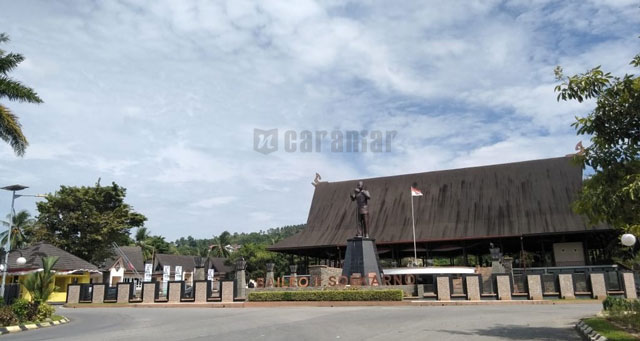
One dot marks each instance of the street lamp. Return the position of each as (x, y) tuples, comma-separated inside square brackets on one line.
[(13, 189)]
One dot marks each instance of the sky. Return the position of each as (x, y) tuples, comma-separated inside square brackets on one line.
[(163, 97)]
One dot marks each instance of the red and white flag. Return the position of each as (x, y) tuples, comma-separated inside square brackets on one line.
[(415, 192)]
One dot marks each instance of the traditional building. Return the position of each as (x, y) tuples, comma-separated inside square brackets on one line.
[(68, 270), (126, 266), (524, 208)]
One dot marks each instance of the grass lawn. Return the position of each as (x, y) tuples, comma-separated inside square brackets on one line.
[(606, 329), (55, 317)]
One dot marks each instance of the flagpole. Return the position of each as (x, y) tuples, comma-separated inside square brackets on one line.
[(413, 220)]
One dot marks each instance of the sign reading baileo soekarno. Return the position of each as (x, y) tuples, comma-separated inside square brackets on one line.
[(355, 280)]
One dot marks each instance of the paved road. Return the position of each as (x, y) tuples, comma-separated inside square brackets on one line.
[(517, 322)]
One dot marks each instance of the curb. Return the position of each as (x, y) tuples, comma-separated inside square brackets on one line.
[(31, 326), (588, 333)]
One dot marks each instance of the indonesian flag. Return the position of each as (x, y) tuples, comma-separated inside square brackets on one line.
[(415, 192)]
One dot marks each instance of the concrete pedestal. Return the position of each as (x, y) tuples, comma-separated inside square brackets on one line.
[(124, 292), (148, 292), (444, 290), (566, 286), (226, 291), (98, 293), (598, 287), (535, 287), (175, 292), (629, 285), (473, 288), (362, 258), (73, 294), (241, 285), (504, 287)]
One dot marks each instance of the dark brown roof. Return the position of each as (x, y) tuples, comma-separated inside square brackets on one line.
[(134, 253), (187, 262), (523, 198), (219, 265), (34, 254)]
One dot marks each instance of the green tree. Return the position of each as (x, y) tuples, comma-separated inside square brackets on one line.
[(612, 194), (12, 90), (160, 245), (22, 222), (40, 284), (142, 240), (85, 221), (218, 248)]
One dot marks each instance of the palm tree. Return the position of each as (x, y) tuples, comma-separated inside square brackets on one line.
[(40, 284), (142, 240), (218, 248), (12, 90), (21, 222)]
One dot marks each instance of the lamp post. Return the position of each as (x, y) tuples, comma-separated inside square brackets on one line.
[(628, 239), (13, 189)]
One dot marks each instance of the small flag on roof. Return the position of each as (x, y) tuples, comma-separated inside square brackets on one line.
[(415, 192)]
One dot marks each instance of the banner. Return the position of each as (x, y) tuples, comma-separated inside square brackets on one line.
[(148, 268), (166, 270), (178, 274), (210, 274)]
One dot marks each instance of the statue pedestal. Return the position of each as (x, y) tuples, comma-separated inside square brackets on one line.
[(362, 257)]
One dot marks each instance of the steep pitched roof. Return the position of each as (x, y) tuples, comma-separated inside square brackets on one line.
[(187, 262), (134, 253), (35, 252), (219, 265), (522, 198)]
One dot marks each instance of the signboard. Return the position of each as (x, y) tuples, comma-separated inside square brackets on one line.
[(210, 274), (166, 270), (148, 268), (178, 274)]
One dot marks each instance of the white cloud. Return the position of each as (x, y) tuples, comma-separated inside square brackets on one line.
[(162, 96)]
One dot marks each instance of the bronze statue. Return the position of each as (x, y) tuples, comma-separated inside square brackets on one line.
[(361, 196)]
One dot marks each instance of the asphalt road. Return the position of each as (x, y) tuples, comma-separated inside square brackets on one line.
[(517, 322)]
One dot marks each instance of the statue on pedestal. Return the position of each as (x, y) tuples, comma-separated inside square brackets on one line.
[(361, 196)]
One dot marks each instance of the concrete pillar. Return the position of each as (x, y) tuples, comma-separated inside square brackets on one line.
[(175, 292), (473, 288), (566, 286), (124, 292), (444, 291), (73, 294), (199, 274), (535, 287), (504, 287), (241, 291), (98, 293), (226, 291), (293, 279), (200, 293), (629, 285), (268, 282), (598, 287), (149, 292)]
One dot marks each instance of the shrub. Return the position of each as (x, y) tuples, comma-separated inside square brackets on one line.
[(617, 304), (328, 295), (24, 310), (44, 312), (7, 317)]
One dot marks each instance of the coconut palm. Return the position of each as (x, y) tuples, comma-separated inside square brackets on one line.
[(40, 284), (12, 90), (21, 221), (142, 240), (218, 248)]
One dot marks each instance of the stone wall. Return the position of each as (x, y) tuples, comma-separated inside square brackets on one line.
[(323, 272)]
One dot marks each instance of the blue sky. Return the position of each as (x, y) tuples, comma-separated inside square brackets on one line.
[(162, 96)]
